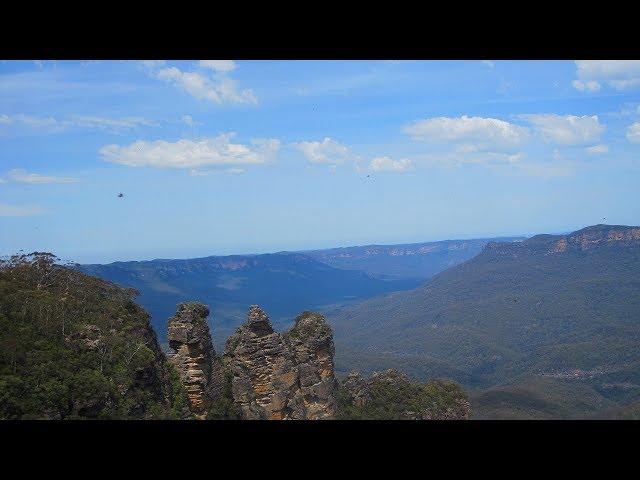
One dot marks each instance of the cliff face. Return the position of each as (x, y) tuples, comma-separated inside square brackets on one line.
[(587, 239), (266, 375), (194, 357), (282, 376), (311, 341)]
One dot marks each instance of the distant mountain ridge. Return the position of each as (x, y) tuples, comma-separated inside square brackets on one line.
[(284, 282), (409, 260), (555, 306)]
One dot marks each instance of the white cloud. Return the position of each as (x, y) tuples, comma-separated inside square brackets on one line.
[(221, 66), (597, 149), (18, 211), (327, 151), (618, 74), (22, 176), (473, 134), (191, 154), (218, 89), (110, 123), (29, 121), (588, 86), (188, 119), (153, 63), (633, 132), (567, 129), (387, 164), (55, 125), (557, 155)]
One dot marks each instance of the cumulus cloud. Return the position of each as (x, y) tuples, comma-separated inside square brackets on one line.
[(327, 151), (22, 176), (597, 149), (387, 164), (617, 74), (18, 211), (633, 132), (217, 88), (472, 134), (191, 154), (222, 66), (567, 129)]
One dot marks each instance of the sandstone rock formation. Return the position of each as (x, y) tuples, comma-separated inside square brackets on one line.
[(282, 376), (199, 368), (266, 375)]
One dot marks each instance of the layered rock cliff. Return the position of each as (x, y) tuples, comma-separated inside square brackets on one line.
[(194, 357), (584, 240), (282, 376)]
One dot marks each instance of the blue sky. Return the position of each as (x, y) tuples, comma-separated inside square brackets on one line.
[(221, 157)]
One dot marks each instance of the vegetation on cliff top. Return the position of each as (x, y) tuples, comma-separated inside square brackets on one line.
[(74, 346), (390, 395)]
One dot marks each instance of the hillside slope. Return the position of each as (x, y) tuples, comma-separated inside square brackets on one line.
[(561, 306), (76, 347)]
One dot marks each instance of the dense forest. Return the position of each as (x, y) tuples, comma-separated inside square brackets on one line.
[(73, 346)]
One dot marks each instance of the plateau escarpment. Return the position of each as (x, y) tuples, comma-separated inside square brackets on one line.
[(559, 307)]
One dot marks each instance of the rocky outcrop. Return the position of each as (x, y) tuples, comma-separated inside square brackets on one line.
[(391, 395), (282, 376), (266, 375), (311, 342), (193, 356)]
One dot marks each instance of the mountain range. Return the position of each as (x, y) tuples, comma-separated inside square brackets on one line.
[(544, 327), (554, 312), (285, 283)]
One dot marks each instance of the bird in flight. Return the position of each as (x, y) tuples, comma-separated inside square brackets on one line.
[(120, 195)]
